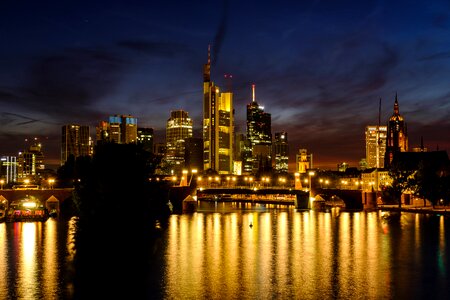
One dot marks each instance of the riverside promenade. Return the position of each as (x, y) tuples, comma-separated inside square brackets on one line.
[(437, 210)]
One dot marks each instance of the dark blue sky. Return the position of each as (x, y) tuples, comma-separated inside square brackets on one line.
[(319, 67)]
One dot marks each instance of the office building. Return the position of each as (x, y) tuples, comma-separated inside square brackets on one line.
[(193, 154), (259, 135), (179, 128), (281, 152), (218, 125), (8, 169), (121, 129), (375, 146), (30, 163), (75, 141)]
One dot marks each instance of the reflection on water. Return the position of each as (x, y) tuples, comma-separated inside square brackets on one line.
[(299, 255), (240, 251)]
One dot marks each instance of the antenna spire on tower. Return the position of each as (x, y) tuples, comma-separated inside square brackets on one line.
[(253, 92)]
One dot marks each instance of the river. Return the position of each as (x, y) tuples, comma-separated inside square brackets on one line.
[(244, 251)]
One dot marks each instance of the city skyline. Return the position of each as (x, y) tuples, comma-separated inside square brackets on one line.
[(320, 68)]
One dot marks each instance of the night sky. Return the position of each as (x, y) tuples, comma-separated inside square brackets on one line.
[(320, 67)]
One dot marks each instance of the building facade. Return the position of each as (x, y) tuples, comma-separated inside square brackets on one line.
[(8, 169), (375, 146), (30, 163), (281, 152), (178, 129), (218, 125), (121, 129), (259, 134), (303, 161), (75, 141), (397, 136)]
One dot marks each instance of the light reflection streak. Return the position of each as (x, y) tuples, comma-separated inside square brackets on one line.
[(50, 256), (27, 282), (442, 254), (3, 261)]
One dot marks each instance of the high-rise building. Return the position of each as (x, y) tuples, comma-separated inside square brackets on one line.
[(121, 129), (145, 138), (397, 136), (8, 168), (179, 128), (31, 162), (259, 133), (303, 161), (281, 152), (218, 125), (375, 146), (75, 141)]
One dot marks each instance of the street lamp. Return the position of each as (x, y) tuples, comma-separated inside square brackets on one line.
[(2, 182), (51, 181)]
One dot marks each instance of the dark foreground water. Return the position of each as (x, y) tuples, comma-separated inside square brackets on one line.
[(231, 251)]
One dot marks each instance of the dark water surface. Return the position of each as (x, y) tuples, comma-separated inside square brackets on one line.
[(231, 251)]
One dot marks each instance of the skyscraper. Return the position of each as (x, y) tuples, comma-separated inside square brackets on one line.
[(397, 137), (259, 134), (281, 152), (31, 162), (375, 146), (218, 125), (179, 128), (8, 168), (121, 129), (75, 141)]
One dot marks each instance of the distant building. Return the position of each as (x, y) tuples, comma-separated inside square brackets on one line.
[(259, 134), (145, 138), (75, 141), (281, 152), (8, 168), (397, 136), (218, 125), (303, 161), (121, 129), (179, 128), (31, 162), (374, 179), (375, 146), (342, 167)]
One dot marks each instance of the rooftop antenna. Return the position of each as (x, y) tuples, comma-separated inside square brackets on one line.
[(253, 92), (379, 141)]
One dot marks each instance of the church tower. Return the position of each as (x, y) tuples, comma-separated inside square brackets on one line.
[(397, 137)]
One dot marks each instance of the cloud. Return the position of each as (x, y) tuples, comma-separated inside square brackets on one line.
[(436, 56)]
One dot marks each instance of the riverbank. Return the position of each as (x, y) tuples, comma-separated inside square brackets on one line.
[(438, 210)]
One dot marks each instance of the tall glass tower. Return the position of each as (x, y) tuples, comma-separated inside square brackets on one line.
[(218, 125), (178, 129), (260, 136)]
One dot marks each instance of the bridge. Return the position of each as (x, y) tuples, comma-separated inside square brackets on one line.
[(52, 198)]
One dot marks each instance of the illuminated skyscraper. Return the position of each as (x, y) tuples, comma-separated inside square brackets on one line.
[(375, 146), (8, 168), (218, 125), (75, 141), (121, 129), (259, 134), (31, 162), (281, 152), (179, 128), (397, 137)]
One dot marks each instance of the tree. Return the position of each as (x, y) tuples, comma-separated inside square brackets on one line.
[(400, 176), (430, 182)]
